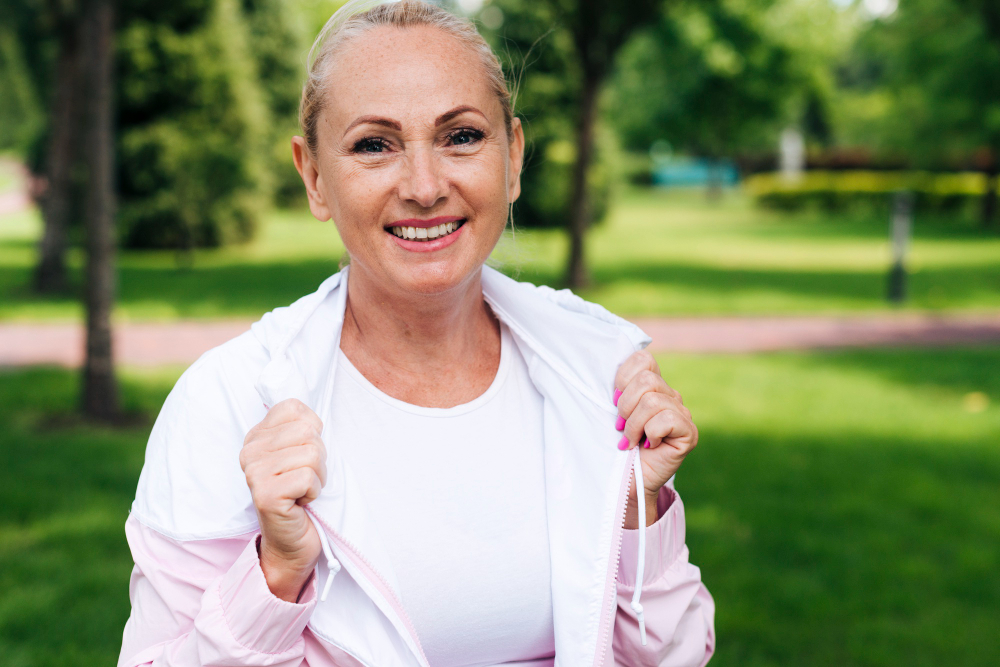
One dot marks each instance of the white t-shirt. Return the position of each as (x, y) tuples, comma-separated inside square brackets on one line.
[(438, 482)]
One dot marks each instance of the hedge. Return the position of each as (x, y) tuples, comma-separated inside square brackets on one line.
[(841, 190)]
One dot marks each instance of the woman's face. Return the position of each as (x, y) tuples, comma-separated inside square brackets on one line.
[(413, 162)]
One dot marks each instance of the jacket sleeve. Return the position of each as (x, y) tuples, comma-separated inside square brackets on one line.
[(205, 603), (678, 609)]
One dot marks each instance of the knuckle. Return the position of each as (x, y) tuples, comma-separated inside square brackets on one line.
[(650, 380)]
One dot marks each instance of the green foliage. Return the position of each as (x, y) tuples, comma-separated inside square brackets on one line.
[(923, 82), (538, 56), (713, 78), (279, 37), (192, 129), (838, 191), (21, 114)]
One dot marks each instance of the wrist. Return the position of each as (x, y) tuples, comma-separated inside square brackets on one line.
[(632, 510), (285, 577)]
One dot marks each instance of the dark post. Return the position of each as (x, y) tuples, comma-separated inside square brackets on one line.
[(900, 229)]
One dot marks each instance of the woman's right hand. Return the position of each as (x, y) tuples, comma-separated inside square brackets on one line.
[(284, 460)]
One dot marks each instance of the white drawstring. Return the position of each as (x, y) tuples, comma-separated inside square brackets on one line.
[(640, 568), (331, 562)]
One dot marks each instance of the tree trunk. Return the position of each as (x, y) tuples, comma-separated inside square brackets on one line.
[(100, 387), (579, 218), (50, 274)]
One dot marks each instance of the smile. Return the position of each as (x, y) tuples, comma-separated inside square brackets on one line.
[(426, 233)]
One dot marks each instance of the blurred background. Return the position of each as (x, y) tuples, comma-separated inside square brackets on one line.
[(796, 198)]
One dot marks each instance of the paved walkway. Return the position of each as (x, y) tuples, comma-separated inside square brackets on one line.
[(182, 342)]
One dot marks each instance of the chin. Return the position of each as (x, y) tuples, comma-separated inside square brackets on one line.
[(436, 277)]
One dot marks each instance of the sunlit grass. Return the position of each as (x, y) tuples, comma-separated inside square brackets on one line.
[(658, 253)]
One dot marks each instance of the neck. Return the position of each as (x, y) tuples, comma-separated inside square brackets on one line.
[(406, 339)]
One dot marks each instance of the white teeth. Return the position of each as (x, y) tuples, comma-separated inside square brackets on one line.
[(425, 232)]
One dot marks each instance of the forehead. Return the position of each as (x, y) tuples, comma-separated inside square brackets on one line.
[(409, 74)]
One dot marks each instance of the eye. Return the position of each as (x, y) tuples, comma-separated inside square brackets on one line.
[(371, 145), (465, 136)]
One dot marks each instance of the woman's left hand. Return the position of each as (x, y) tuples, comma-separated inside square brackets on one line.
[(652, 415)]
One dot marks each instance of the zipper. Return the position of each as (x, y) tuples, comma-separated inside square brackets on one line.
[(610, 585), (377, 579)]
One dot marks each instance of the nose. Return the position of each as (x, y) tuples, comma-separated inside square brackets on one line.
[(423, 182)]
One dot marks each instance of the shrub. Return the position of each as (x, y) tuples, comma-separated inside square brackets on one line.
[(193, 127), (868, 190)]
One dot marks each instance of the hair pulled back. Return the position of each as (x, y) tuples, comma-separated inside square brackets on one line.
[(359, 16)]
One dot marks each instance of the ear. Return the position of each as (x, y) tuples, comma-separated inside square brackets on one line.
[(515, 160), (309, 171)]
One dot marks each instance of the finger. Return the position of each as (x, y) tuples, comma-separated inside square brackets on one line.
[(643, 382), (301, 485), (649, 404), (310, 456), (641, 360), (672, 428), (291, 410), (289, 434)]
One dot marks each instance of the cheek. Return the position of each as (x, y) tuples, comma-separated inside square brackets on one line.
[(358, 195), (483, 184)]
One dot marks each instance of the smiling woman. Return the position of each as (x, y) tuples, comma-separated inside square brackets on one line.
[(423, 462)]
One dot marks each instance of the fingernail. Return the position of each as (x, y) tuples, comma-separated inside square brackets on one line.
[(618, 394), (623, 443), (647, 445), (620, 423)]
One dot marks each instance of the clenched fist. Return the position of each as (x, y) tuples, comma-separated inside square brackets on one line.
[(652, 415), (284, 460)]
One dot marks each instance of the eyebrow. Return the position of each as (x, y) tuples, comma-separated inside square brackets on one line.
[(374, 120), (457, 111), (396, 125)]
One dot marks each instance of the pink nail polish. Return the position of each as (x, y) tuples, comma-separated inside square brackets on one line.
[(623, 443), (618, 394), (620, 423), (647, 445)]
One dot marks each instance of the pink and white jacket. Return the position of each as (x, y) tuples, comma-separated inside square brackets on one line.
[(198, 594)]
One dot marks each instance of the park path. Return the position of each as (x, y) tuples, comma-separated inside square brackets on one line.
[(155, 344)]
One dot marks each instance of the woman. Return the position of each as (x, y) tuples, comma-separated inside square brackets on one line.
[(416, 464)]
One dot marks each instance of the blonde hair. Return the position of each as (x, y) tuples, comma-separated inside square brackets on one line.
[(359, 16)]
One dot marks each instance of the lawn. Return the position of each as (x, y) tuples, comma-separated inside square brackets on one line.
[(657, 254), (842, 507)]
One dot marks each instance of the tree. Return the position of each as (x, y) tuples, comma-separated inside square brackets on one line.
[(716, 78), (936, 63), (599, 30), (100, 387), (569, 48)]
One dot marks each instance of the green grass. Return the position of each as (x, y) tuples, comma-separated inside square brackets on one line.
[(658, 254), (842, 507)]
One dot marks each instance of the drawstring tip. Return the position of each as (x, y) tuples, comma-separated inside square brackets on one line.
[(334, 569), (637, 608)]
